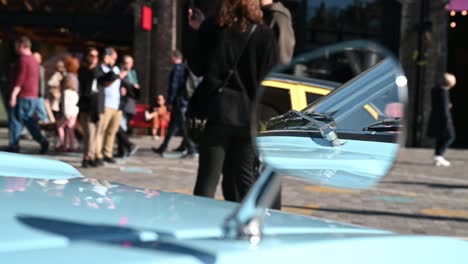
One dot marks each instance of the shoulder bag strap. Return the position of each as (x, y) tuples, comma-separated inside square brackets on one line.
[(233, 69)]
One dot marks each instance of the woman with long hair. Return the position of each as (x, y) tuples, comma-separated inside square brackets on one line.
[(89, 114), (69, 105), (237, 51)]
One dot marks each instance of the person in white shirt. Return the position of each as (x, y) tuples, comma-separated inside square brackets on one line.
[(69, 103), (109, 120)]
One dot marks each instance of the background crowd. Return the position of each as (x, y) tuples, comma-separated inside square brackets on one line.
[(97, 97)]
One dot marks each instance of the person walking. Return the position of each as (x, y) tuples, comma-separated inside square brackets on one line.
[(42, 111), (54, 92), (110, 82), (69, 105), (238, 51), (278, 17), (178, 103), (441, 124), (24, 101), (88, 105), (129, 94)]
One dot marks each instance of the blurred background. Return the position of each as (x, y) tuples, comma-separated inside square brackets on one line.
[(426, 36)]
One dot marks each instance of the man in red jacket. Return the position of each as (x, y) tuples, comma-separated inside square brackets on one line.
[(24, 100)]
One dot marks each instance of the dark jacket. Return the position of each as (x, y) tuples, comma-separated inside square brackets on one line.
[(86, 78), (99, 104), (93, 102), (218, 47), (440, 123), (177, 85), (128, 102), (278, 17), (90, 102)]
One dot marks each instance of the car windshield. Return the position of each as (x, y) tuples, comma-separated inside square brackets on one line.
[(369, 97), (334, 66)]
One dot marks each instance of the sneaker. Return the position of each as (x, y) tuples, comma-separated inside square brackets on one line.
[(61, 148), (440, 161), (109, 160), (133, 150), (159, 151), (155, 137), (189, 156), (98, 163), (181, 148), (93, 163), (11, 149), (85, 164), (44, 148)]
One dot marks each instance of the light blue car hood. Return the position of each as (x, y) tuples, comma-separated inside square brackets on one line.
[(78, 220)]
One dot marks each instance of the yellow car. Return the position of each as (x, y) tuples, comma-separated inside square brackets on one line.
[(284, 92)]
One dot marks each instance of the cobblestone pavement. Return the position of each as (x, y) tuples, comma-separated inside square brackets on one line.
[(415, 197)]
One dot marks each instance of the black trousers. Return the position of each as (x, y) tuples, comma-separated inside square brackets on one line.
[(123, 141), (443, 141), (227, 150), (178, 122)]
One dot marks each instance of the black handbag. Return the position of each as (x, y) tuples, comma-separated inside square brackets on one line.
[(201, 102), (130, 106)]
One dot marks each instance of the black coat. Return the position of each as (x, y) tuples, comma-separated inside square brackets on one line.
[(90, 102), (440, 123), (94, 102), (217, 48), (128, 102), (85, 78)]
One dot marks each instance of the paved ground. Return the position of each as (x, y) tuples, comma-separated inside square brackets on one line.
[(414, 198)]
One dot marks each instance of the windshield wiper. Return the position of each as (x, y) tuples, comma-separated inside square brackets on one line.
[(386, 125), (327, 128)]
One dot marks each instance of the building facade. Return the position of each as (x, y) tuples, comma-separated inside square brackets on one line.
[(418, 32)]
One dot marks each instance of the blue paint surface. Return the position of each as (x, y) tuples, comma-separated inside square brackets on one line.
[(64, 222), (18, 165), (355, 165)]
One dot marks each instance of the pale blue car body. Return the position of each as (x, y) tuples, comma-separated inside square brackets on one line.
[(356, 165), (50, 213), (45, 222)]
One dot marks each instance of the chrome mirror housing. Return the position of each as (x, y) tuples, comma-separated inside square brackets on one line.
[(333, 117), (347, 138)]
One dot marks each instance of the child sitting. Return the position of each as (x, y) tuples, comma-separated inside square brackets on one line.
[(159, 117)]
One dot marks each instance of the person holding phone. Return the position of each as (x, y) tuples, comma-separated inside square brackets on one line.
[(110, 82), (130, 92), (236, 52)]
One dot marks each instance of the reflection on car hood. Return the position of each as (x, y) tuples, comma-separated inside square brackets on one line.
[(57, 220), (41, 213), (83, 221), (17, 165), (359, 164)]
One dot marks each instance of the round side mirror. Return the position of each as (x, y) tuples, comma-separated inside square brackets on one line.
[(333, 116)]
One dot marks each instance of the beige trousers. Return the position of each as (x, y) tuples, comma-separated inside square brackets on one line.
[(108, 127)]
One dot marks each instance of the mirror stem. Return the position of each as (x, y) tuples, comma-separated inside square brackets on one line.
[(247, 220)]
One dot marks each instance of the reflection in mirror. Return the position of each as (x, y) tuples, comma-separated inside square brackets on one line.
[(333, 116)]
